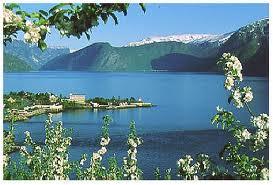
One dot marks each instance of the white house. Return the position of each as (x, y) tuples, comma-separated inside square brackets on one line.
[(79, 98)]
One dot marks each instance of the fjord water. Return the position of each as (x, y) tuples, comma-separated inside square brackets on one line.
[(179, 124)]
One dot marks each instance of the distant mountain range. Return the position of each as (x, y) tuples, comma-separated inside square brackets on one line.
[(32, 55), (187, 52)]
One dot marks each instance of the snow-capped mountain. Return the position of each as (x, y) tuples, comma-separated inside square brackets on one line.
[(184, 38)]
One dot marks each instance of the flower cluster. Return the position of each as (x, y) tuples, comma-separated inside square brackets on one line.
[(241, 96), (32, 35), (259, 138), (95, 171), (233, 71), (9, 18), (50, 161), (265, 174), (97, 156), (232, 68), (261, 121), (8, 145), (6, 159), (242, 134), (187, 170), (130, 162), (245, 166), (194, 171)]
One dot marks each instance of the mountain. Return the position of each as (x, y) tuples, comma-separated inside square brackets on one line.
[(14, 64), (104, 57), (191, 52), (251, 45), (32, 55)]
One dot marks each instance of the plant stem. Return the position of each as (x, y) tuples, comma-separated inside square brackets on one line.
[(249, 110)]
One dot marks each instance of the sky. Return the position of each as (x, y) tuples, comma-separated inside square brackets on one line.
[(162, 20)]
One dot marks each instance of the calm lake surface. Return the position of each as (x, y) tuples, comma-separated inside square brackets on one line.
[(179, 124)]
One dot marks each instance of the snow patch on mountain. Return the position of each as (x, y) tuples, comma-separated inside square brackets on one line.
[(184, 38)]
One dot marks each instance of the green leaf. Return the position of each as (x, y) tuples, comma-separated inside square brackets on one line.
[(35, 15), (87, 35), (104, 17), (12, 6), (142, 7), (43, 12), (42, 22), (114, 17), (42, 45), (215, 118), (20, 12)]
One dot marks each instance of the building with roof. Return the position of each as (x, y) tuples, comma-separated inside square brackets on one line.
[(79, 98)]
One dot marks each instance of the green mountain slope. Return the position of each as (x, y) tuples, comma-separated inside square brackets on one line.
[(104, 57), (14, 64), (251, 45)]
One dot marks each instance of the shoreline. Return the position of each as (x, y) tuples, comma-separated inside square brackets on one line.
[(41, 111), (144, 71)]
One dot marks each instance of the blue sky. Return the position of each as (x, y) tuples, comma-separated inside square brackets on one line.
[(163, 19)]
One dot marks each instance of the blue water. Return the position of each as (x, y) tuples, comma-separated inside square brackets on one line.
[(185, 102)]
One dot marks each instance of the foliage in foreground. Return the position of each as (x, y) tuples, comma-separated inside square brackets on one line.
[(237, 154), (68, 18), (51, 160)]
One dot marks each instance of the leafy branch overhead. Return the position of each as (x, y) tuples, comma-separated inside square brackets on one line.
[(68, 18)]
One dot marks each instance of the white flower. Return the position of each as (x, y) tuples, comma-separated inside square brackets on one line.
[(237, 95), (133, 156), (60, 149), (102, 151), (265, 174), (82, 161), (237, 98), (33, 33), (27, 133), (7, 14), (260, 121), (219, 109), (104, 141), (38, 148), (139, 141), (246, 134), (240, 76), (10, 18), (229, 64), (229, 83), (237, 65), (247, 94), (28, 23), (46, 28), (261, 135), (133, 177), (96, 156), (5, 160), (225, 55), (248, 97), (132, 143), (43, 27), (133, 169)]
